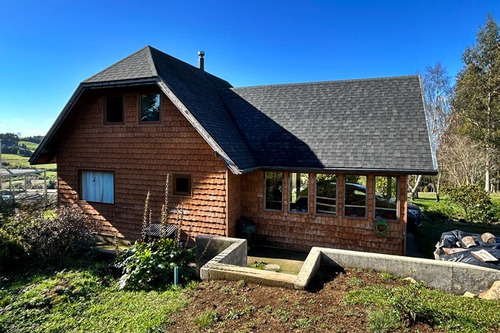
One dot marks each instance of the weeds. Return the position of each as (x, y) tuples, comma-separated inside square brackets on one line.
[(207, 319)]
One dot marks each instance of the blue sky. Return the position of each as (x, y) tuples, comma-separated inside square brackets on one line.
[(48, 47)]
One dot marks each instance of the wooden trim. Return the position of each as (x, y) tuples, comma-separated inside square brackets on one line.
[(181, 193)]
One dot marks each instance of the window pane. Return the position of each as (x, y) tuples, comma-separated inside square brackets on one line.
[(150, 107), (98, 186), (274, 190), (326, 194), (386, 193), (299, 192), (114, 109), (182, 185), (355, 196)]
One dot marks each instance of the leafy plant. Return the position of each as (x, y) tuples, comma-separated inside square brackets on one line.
[(383, 320), (207, 319), (53, 235), (474, 200), (151, 265)]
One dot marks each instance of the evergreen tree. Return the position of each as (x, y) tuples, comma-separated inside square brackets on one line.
[(477, 93)]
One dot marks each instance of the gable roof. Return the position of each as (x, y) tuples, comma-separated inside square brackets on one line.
[(193, 91), (359, 125), (362, 125)]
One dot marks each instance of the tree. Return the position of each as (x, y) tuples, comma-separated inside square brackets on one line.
[(438, 90), (477, 93)]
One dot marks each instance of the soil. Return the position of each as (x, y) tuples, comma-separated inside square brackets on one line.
[(246, 307)]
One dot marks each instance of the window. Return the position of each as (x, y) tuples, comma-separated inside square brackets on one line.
[(299, 192), (326, 194), (355, 196), (182, 185), (114, 109), (386, 202), (274, 190), (150, 107), (98, 186)]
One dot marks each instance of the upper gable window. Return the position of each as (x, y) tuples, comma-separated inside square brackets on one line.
[(114, 110), (150, 107)]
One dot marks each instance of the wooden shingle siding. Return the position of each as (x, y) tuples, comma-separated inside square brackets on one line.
[(141, 155), (304, 230)]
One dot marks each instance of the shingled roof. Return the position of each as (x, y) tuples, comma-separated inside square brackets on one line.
[(355, 125), (359, 125)]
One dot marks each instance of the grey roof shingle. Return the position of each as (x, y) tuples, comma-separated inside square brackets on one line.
[(371, 124)]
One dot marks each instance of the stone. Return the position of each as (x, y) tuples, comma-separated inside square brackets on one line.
[(410, 280), (271, 267), (493, 293), (468, 294)]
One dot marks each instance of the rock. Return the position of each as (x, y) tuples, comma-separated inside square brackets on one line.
[(271, 267), (493, 293), (469, 295), (410, 280)]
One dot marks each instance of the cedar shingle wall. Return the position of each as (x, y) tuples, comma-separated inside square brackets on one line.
[(140, 157), (234, 202), (304, 230)]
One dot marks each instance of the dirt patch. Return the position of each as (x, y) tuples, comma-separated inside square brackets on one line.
[(238, 306)]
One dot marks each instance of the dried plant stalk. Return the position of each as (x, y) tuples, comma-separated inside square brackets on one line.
[(145, 218)]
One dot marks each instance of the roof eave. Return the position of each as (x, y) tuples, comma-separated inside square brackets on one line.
[(430, 172)]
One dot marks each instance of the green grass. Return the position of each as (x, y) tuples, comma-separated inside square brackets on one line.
[(16, 161), (30, 145), (82, 300), (415, 303), (443, 216)]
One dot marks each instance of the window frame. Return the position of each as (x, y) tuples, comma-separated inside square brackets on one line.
[(335, 213), (175, 192), (375, 198), (282, 191), (105, 108), (80, 185), (366, 197), (151, 122), (290, 192)]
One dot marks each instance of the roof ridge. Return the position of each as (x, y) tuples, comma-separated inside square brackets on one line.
[(123, 60), (329, 81)]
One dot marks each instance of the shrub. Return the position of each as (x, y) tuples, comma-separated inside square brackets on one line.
[(54, 235), (474, 200), (383, 320), (151, 265), (12, 247)]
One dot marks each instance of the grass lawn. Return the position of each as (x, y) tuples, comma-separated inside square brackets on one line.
[(82, 300), (30, 145), (443, 216)]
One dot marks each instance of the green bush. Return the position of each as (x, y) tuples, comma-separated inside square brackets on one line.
[(151, 265), (474, 200), (55, 235), (12, 248)]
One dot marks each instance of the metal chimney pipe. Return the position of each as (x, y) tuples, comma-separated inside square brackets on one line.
[(201, 60)]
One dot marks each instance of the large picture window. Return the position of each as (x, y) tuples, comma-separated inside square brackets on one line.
[(150, 107), (355, 196), (386, 193), (299, 192), (114, 109), (274, 190), (326, 194), (98, 186)]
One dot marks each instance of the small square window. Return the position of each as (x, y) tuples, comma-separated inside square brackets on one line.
[(182, 185), (150, 107), (114, 109)]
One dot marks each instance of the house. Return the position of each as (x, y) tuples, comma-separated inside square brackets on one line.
[(312, 164)]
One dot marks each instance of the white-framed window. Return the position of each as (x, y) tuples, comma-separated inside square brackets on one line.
[(386, 197), (326, 193), (355, 196), (97, 186)]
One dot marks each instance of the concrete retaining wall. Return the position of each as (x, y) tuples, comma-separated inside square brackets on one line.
[(452, 277), (226, 259)]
